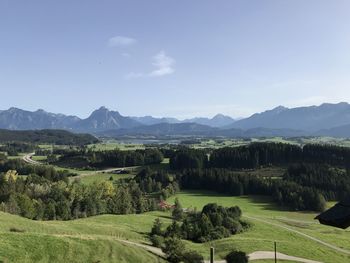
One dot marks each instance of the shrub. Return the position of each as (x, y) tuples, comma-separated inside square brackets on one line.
[(157, 241), (17, 230), (237, 257), (173, 249), (192, 257)]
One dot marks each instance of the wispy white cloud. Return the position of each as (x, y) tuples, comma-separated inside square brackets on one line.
[(163, 64), (121, 41)]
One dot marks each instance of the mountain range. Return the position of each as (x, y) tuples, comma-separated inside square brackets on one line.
[(324, 120), (310, 119), (218, 120)]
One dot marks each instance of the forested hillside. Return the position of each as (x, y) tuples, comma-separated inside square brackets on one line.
[(315, 173), (59, 137)]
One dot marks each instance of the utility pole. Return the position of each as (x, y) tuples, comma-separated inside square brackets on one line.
[(211, 255), (275, 252)]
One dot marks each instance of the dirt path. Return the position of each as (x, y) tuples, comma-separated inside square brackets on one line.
[(338, 249), (28, 159), (259, 255), (154, 250), (271, 255)]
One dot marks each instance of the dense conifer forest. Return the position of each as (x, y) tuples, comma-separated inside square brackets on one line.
[(315, 174), (59, 137)]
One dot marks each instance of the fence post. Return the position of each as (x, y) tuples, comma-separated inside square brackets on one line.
[(211, 255), (275, 252)]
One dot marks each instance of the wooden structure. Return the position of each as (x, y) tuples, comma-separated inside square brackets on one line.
[(337, 216)]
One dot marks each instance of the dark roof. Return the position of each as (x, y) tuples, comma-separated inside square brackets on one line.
[(337, 216)]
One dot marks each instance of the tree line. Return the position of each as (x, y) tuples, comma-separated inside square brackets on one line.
[(23, 168), (83, 158), (38, 198), (332, 182), (58, 137), (14, 148), (47, 194), (286, 193), (256, 155)]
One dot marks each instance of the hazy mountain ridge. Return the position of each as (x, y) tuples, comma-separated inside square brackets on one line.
[(340, 131), (218, 120), (149, 120), (18, 119), (324, 120), (194, 129), (163, 129), (311, 119)]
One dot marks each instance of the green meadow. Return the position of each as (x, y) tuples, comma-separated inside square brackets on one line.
[(97, 239), (270, 224)]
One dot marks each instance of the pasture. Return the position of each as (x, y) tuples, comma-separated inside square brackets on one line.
[(291, 230), (95, 239), (98, 238)]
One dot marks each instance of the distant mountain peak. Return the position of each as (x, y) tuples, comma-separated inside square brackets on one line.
[(279, 109), (102, 108), (105, 119), (14, 109), (220, 116)]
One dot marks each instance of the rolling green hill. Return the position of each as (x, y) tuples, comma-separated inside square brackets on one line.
[(95, 239), (98, 239)]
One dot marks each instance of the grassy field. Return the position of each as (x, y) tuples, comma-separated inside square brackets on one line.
[(94, 239), (268, 226), (100, 177), (89, 177), (97, 239), (112, 145), (39, 158), (220, 143)]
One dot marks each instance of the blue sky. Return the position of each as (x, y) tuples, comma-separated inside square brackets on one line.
[(173, 58)]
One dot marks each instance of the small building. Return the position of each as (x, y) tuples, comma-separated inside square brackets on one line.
[(165, 205), (337, 216)]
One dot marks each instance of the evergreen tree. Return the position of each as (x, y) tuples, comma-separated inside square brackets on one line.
[(177, 211)]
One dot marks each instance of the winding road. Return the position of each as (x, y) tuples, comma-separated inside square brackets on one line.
[(28, 159)]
